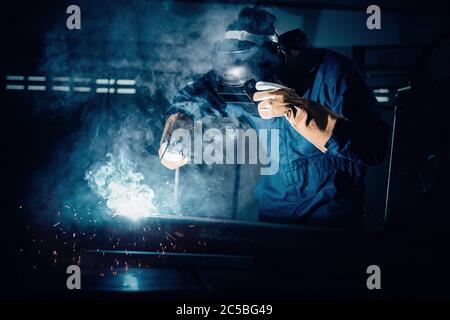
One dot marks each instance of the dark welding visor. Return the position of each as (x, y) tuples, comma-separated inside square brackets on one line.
[(236, 62), (243, 56)]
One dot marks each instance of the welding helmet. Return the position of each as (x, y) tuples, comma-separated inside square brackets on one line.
[(242, 56)]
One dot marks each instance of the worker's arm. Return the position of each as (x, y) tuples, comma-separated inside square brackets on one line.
[(171, 153), (187, 106), (351, 130), (190, 104), (312, 120)]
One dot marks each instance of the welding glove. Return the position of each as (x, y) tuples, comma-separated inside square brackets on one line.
[(173, 153), (310, 119)]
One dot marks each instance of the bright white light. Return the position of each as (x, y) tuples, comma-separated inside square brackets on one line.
[(61, 88), (102, 90), (130, 282), (81, 89), (126, 90), (15, 87), (122, 188), (105, 90), (381, 90), (61, 79), (36, 78), (36, 88), (105, 81), (236, 72), (84, 80), (15, 78), (101, 81), (382, 99), (126, 82)]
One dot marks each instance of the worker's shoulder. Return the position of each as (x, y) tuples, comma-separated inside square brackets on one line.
[(334, 62), (332, 66)]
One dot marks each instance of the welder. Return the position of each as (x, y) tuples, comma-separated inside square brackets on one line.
[(327, 117)]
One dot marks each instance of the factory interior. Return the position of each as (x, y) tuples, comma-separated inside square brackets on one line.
[(77, 104)]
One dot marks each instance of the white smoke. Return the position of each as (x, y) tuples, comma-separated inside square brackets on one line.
[(117, 182)]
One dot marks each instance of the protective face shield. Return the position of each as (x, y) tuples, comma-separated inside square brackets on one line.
[(242, 59)]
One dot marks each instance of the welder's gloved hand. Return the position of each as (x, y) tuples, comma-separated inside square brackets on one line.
[(173, 153), (312, 120)]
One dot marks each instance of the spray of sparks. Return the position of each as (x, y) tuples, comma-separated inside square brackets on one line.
[(122, 188)]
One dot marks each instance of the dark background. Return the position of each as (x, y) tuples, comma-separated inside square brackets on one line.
[(51, 138)]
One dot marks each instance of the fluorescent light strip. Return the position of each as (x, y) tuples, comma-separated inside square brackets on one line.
[(126, 90), (101, 81), (62, 79), (61, 88), (36, 88), (15, 78), (82, 89), (84, 80), (14, 87), (105, 81), (36, 78), (382, 99), (381, 90), (105, 90), (126, 82)]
